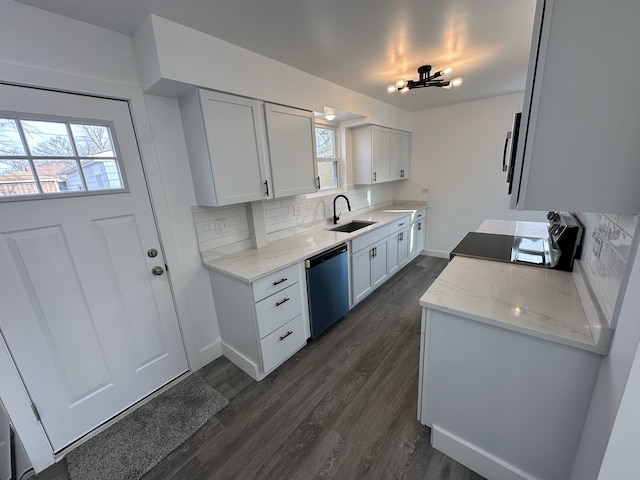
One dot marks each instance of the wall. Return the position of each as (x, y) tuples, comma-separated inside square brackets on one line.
[(282, 218), (605, 251), (456, 153), (615, 376)]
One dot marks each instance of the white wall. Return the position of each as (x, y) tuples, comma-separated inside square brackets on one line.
[(612, 380), (456, 153)]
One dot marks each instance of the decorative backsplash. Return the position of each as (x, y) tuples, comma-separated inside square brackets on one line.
[(226, 229), (606, 249)]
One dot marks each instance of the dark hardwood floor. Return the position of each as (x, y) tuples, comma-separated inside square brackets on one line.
[(344, 407)]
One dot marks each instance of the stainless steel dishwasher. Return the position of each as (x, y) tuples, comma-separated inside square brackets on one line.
[(327, 288)]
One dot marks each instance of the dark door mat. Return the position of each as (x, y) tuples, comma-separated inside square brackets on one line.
[(135, 444)]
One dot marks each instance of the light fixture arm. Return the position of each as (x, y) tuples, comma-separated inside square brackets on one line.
[(425, 79)]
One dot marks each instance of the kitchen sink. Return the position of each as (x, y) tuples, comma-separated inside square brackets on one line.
[(351, 226)]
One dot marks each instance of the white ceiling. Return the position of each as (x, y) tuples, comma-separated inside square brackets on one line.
[(359, 44)]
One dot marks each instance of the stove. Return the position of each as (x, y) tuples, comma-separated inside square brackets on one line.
[(556, 251)]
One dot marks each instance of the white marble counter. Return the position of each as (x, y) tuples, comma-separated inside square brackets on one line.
[(250, 265), (534, 301), (517, 228)]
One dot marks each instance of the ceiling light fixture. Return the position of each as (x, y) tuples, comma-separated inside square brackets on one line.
[(425, 80), (330, 116)]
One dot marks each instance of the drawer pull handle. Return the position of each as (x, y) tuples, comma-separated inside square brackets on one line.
[(280, 281), (281, 302), (400, 224), (286, 335)]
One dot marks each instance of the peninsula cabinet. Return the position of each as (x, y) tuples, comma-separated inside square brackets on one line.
[(243, 150), (226, 146), (380, 154), (261, 323), (578, 145)]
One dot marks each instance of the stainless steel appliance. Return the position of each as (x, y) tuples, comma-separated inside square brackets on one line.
[(557, 251), (327, 288)]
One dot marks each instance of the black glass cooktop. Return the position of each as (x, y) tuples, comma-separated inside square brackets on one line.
[(488, 246)]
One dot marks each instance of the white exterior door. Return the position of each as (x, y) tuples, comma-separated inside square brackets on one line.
[(90, 328)]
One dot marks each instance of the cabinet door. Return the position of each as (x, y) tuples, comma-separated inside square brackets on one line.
[(405, 155), (395, 155), (291, 139), (417, 239), (361, 274), (235, 142), (403, 247), (392, 254), (578, 146), (380, 144), (379, 264)]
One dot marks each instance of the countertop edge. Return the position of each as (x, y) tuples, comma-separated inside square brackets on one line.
[(594, 348)]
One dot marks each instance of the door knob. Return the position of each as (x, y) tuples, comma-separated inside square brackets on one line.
[(157, 270)]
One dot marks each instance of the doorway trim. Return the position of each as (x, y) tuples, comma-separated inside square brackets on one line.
[(13, 392)]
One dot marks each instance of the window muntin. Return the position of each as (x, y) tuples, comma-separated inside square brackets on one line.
[(327, 157), (47, 158)]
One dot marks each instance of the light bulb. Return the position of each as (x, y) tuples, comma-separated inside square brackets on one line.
[(447, 70), (456, 82), (391, 88), (330, 116), (404, 90), (401, 84), (448, 87)]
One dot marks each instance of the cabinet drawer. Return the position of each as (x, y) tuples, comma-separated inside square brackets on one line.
[(399, 224), (275, 282), (276, 310), (369, 238), (419, 215), (281, 344)]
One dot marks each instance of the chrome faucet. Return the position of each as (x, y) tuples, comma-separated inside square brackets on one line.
[(337, 217)]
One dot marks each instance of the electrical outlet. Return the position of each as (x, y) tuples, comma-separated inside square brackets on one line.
[(296, 210), (221, 226)]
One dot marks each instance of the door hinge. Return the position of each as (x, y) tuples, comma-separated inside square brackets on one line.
[(36, 412)]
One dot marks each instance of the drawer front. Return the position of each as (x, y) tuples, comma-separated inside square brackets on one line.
[(363, 241), (419, 215), (274, 282), (399, 224), (281, 344), (276, 310)]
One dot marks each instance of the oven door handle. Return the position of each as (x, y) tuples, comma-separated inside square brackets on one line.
[(504, 153)]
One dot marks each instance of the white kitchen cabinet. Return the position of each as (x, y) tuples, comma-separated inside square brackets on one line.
[(506, 404), (380, 154), (226, 146), (261, 323), (368, 263), (398, 244), (291, 140), (418, 233), (578, 145)]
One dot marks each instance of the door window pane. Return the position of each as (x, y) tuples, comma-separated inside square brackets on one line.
[(49, 139), (92, 139), (59, 176), (101, 174), (16, 178), (10, 141)]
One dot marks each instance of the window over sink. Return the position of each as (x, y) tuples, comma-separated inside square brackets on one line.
[(327, 156)]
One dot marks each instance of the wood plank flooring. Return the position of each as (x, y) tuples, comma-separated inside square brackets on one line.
[(344, 407)]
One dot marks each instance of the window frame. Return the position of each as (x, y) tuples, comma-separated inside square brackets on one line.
[(336, 160), (79, 159)]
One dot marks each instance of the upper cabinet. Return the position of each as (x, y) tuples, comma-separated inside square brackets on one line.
[(291, 138), (579, 147), (227, 147), (380, 154), (242, 150)]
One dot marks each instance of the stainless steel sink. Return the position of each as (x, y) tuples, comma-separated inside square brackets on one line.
[(351, 226)]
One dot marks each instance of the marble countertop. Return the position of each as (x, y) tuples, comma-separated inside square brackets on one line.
[(250, 265), (535, 301), (517, 228)]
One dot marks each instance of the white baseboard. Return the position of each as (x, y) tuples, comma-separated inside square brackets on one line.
[(241, 361), (474, 458), (436, 253), (210, 352)]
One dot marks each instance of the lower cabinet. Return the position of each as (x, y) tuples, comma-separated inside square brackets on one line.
[(418, 233), (261, 323), (368, 269)]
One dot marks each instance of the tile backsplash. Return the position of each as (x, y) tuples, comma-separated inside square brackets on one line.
[(226, 229), (605, 251)]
